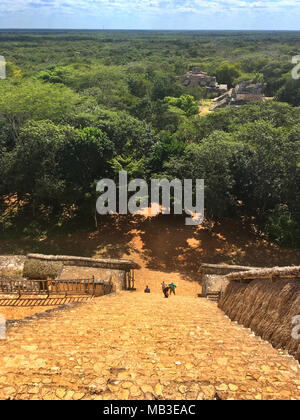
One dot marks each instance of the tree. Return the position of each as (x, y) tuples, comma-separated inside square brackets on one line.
[(290, 92), (210, 161), (163, 85), (13, 71), (84, 160), (57, 165), (186, 103), (34, 100), (32, 169), (166, 117), (258, 167), (138, 84), (226, 73), (282, 228), (129, 135)]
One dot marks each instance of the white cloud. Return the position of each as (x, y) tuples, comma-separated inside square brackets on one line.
[(151, 14), (146, 6)]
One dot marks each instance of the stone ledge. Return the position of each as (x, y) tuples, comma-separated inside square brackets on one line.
[(265, 273), (88, 262), (223, 269)]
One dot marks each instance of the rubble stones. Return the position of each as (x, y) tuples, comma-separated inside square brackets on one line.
[(242, 94)]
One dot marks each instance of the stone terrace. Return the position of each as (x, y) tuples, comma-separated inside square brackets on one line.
[(137, 346)]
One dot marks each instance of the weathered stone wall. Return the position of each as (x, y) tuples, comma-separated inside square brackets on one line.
[(12, 262), (212, 283), (214, 276), (109, 263), (267, 306), (69, 267)]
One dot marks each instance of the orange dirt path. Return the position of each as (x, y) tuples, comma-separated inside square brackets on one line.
[(163, 243)]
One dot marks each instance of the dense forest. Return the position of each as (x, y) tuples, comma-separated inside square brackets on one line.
[(79, 106)]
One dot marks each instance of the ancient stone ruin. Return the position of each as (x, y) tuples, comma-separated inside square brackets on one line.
[(242, 94), (214, 280), (119, 272), (266, 301), (123, 346), (195, 77), (50, 275)]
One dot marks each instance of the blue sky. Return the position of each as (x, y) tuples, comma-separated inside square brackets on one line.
[(151, 14)]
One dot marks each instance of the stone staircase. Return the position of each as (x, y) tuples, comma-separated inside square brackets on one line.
[(141, 346)]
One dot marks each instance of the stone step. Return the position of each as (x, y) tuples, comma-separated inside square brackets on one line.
[(142, 346)]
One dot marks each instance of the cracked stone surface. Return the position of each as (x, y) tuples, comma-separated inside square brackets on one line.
[(137, 346)]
